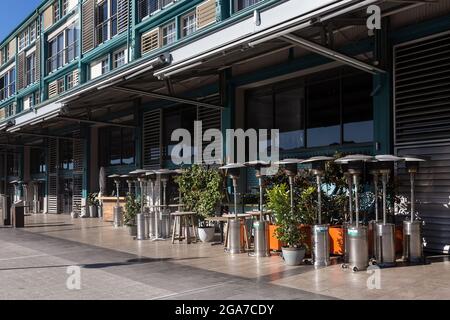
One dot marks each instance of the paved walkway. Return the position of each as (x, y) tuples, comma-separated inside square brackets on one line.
[(34, 263)]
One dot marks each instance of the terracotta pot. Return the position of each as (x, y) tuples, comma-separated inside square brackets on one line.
[(274, 243), (336, 240)]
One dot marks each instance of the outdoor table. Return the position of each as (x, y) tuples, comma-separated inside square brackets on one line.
[(183, 219), (108, 206), (241, 217), (221, 221)]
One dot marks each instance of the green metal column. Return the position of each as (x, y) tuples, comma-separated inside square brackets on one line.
[(228, 97)]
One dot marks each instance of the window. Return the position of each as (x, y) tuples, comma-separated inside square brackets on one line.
[(13, 164), (105, 65), (60, 85), (332, 108), (169, 33), (117, 146), (23, 40), (37, 161), (33, 32), (62, 49), (56, 13), (66, 155), (28, 101), (188, 23), (69, 81), (4, 54), (182, 117), (148, 7), (31, 69), (106, 20), (119, 59), (65, 7), (8, 84), (242, 4)]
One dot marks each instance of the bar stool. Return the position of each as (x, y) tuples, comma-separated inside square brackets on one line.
[(184, 220)]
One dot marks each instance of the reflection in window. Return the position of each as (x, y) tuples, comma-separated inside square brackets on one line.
[(117, 146), (289, 118), (66, 155), (179, 118), (323, 114)]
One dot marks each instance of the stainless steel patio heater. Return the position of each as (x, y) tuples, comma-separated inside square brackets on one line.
[(358, 247), (141, 220), (153, 210), (412, 229), (385, 232), (163, 216), (320, 232), (118, 210), (129, 182), (260, 227), (233, 170)]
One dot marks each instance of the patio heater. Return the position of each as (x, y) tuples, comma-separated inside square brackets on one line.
[(151, 176), (35, 185), (233, 170), (162, 216), (356, 236), (412, 229), (374, 171), (290, 168), (261, 227), (129, 182), (118, 210), (320, 232), (141, 220), (385, 232)]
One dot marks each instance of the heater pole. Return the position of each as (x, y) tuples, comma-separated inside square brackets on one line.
[(291, 186), (384, 181), (319, 200), (355, 180), (375, 184), (261, 199), (411, 177), (235, 198)]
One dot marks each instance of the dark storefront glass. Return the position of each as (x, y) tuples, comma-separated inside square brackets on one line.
[(323, 114), (357, 108), (37, 161), (66, 155), (289, 118), (179, 118), (117, 146)]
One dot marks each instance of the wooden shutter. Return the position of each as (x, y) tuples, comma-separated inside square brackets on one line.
[(37, 62), (75, 76), (12, 48), (123, 15), (152, 139), (53, 206), (48, 17), (78, 171), (2, 113), (150, 41), (21, 71), (206, 13), (53, 89), (88, 25)]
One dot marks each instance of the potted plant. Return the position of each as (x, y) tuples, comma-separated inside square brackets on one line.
[(93, 204), (200, 189), (287, 221), (132, 207)]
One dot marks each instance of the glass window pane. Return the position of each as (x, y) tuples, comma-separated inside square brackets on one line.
[(357, 108), (115, 147), (323, 114), (289, 119)]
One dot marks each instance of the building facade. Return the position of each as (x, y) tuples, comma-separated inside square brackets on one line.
[(103, 83)]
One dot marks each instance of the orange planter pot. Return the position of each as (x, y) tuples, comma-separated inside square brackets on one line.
[(274, 243), (336, 240)]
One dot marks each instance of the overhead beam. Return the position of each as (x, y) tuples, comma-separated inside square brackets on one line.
[(21, 133), (324, 51), (21, 145), (106, 123), (167, 97)]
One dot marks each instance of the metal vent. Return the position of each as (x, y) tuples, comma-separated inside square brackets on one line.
[(53, 176), (77, 195), (422, 91), (150, 41), (152, 144)]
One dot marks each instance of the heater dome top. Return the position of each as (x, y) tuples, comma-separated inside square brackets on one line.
[(257, 163), (150, 173), (289, 161), (164, 172), (232, 166), (388, 158), (413, 159), (353, 158), (114, 176), (318, 159)]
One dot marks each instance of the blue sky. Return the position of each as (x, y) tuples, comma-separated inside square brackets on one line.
[(13, 12)]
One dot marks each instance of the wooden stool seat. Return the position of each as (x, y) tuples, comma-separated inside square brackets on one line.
[(184, 220)]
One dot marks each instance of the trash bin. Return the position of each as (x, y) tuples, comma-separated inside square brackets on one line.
[(18, 214)]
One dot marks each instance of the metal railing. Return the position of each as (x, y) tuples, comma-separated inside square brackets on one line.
[(106, 30), (63, 57)]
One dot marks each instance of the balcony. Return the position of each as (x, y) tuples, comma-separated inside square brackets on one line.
[(62, 57)]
